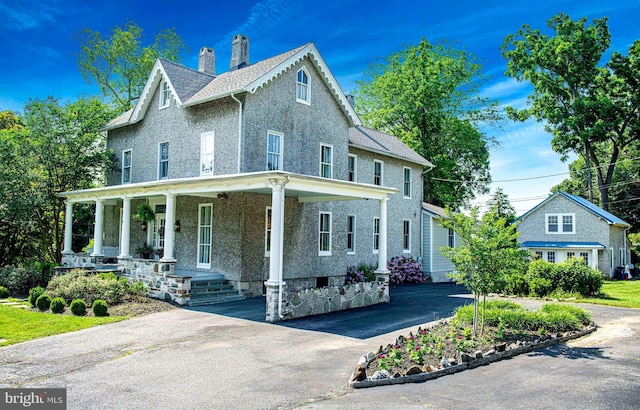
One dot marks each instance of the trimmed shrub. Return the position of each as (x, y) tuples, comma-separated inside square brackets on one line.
[(404, 270), (57, 305), (34, 294), (514, 284), (99, 307), (77, 284), (78, 307), (576, 276), (43, 302), (19, 280), (4, 292)]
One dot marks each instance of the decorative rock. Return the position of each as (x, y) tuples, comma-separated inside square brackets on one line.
[(370, 356), (414, 370), (363, 360), (490, 352), (466, 358), (380, 349), (501, 347), (445, 363), (453, 361), (359, 374), (380, 374), (478, 354), (396, 375), (426, 368)]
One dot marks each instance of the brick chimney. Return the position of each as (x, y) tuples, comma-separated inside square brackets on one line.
[(239, 52), (207, 61)]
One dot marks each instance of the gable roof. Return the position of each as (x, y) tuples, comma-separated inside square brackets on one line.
[(375, 141), (191, 87), (434, 210), (589, 206)]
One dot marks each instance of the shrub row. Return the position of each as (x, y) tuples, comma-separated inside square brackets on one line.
[(401, 270), (543, 278), (551, 317), (57, 305), (18, 280), (77, 284)]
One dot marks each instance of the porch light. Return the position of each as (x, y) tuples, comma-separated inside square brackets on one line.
[(223, 196), (177, 226)]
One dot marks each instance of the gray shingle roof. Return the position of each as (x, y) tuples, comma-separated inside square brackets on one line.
[(185, 81), (438, 211), (376, 141), (237, 80)]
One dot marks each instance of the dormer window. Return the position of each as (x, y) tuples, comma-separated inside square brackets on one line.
[(302, 87), (165, 95)]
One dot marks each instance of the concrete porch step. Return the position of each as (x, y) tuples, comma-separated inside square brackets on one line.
[(204, 286), (211, 299)]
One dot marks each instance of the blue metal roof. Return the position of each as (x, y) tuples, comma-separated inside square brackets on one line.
[(564, 245), (607, 216)]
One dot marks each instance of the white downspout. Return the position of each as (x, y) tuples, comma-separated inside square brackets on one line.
[(239, 132)]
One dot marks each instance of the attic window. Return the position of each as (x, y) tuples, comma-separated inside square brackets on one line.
[(165, 95), (560, 224), (302, 87)]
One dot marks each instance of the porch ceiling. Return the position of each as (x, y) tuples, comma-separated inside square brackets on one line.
[(305, 187)]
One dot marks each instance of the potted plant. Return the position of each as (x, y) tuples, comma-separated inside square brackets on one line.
[(145, 214), (159, 252), (144, 251)]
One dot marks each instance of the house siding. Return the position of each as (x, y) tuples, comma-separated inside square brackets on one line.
[(434, 236)]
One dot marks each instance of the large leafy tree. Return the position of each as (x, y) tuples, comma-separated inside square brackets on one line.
[(64, 150), (488, 251), (119, 64), (427, 95), (590, 110)]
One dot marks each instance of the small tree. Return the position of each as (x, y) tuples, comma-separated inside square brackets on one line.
[(488, 251)]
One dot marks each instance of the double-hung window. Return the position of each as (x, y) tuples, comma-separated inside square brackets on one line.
[(406, 236), (378, 172), (406, 184), (585, 257), (274, 151), (324, 248), (450, 238), (376, 235), (351, 234), (351, 170), (204, 235), (163, 160), (326, 161), (267, 232), (560, 223), (206, 153), (126, 167), (551, 257), (302, 86), (165, 95)]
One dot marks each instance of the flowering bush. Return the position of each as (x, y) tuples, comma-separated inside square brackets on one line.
[(404, 270), (363, 273)]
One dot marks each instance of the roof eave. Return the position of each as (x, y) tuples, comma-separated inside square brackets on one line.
[(424, 163)]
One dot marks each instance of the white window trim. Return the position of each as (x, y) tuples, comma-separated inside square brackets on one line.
[(267, 231), (203, 136), (122, 181), (352, 233), (165, 91), (404, 182), (373, 244), (560, 224), (198, 263), (280, 153), (307, 85), (381, 172), (451, 235), (355, 167), (160, 160), (324, 163), (408, 234), (320, 232)]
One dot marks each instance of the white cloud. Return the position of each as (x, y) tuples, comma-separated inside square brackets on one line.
[(26, 15), (505, 88)]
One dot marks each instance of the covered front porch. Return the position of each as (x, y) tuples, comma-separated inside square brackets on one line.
[(301, 189)]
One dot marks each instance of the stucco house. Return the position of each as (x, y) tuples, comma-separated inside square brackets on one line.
[(565, 225), (434, 236), (261, 177)]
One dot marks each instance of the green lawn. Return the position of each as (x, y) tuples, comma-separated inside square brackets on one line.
[(19, 325), (618, 293)]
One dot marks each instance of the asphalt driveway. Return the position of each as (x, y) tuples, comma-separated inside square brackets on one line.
[(188, 359)]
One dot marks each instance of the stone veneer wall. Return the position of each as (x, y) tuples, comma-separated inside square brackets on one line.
[(317, 301), (159, 278)]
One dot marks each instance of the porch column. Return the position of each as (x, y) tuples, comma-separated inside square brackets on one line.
[(126, 228), (68, 229), (169, 232), (594, 258), (277, 222), (382, 248), (97, 231)]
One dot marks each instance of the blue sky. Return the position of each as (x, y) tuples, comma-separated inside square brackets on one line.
[(38, 51)]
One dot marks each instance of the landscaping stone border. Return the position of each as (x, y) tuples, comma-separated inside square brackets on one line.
[(487, 357)]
